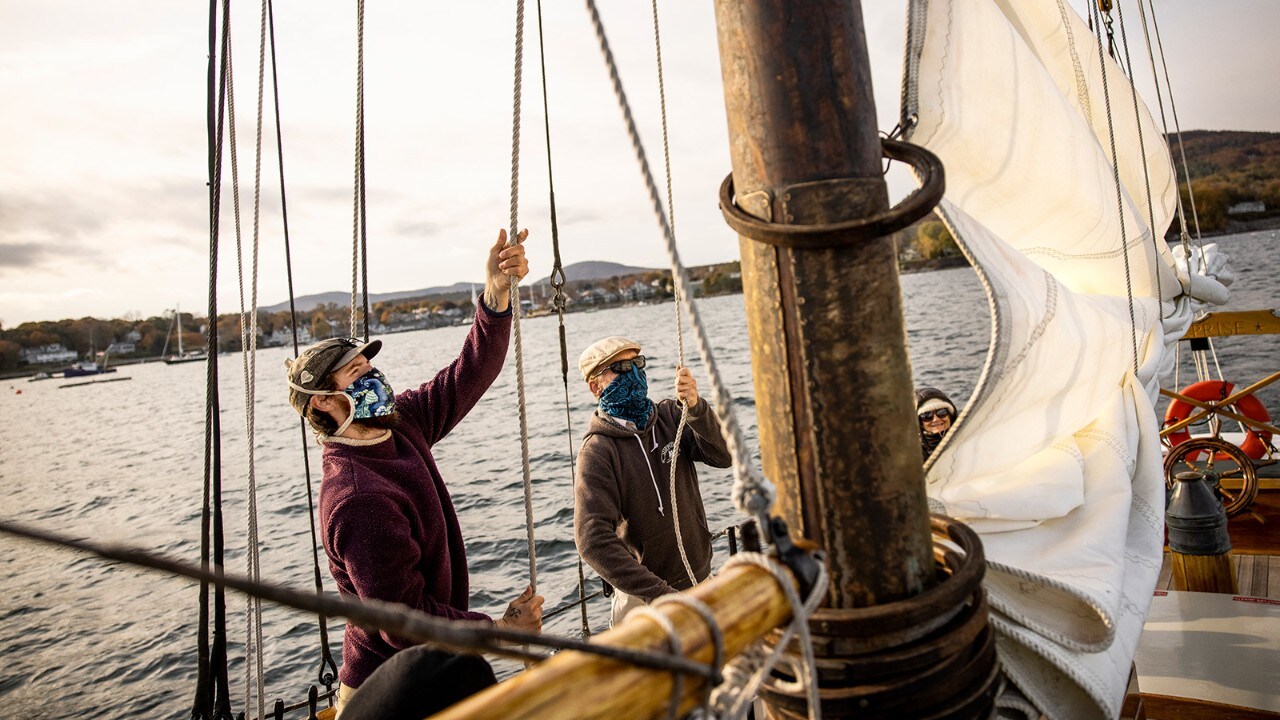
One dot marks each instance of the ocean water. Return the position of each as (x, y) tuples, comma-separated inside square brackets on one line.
[(122, 462)]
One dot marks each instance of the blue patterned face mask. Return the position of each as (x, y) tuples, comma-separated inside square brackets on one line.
[(627, 397), (371, 395)]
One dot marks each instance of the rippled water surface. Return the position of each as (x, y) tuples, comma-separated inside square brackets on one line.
[(122, 462)]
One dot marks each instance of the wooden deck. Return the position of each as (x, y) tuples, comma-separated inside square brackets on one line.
[(1255, 536)]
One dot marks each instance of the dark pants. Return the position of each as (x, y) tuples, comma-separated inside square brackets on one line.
[(418, 682)]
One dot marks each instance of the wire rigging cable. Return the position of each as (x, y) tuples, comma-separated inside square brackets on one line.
[(359, 233), (1142, 150), (212, 697), (328, 673), (1115, 170), (558, 301)]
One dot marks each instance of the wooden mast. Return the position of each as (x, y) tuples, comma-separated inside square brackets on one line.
[(833, 386)]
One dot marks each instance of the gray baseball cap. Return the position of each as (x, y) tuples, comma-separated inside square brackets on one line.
[(307, 371)]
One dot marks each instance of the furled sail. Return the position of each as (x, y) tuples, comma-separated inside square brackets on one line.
[(1056, 459)]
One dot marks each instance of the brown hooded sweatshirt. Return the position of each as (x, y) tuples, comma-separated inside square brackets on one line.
[(622, 499)]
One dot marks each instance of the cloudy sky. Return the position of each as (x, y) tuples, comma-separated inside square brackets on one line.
[(103, 206)]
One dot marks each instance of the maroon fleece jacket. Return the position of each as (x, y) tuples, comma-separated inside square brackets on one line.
[(387, 522)]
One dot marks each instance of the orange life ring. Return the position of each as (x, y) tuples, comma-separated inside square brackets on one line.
[(1213, 391)]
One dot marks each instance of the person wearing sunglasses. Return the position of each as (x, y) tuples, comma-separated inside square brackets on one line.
[(935, 412), (623, 515), (387, 521)]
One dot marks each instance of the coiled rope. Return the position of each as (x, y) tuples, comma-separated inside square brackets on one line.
[(514, 293), (753, 494)]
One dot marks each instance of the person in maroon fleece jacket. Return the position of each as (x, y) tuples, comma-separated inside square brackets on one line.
[(387, 522)]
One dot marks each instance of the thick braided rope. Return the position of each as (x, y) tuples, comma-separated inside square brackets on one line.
[(671, 219), (752, 493), (733, 698), (514, 293), (1142, 149), (1115, 172), (358, 180)]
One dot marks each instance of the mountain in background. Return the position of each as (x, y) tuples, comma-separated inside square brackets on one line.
[(586, 270)]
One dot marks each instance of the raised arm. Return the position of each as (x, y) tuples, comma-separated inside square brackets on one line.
[(443, 401)]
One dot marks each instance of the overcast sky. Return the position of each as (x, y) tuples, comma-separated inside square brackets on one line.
[(103, 206)]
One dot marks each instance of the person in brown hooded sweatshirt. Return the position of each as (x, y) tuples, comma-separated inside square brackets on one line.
[(622, 514)]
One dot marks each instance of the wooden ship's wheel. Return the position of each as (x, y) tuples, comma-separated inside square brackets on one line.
[(1226, 467)]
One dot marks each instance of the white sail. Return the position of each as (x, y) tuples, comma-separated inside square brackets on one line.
[(1055, 461)]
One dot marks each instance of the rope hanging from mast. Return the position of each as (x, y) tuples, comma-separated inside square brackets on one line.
[(558, 302), (513, 236), (328, 673)]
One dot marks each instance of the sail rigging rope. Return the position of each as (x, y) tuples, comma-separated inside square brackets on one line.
[(514, 293), (557, 281), (1183, 236), (753, 494), (671, 219), (1177, 127), (328, 668), (254, 661), (1142, 150), (1115, 171)]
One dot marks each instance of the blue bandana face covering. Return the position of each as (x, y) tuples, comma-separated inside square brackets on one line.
[(627, 397), (371, 395)]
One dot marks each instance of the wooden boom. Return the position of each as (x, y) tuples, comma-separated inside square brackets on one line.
[(747, 603)]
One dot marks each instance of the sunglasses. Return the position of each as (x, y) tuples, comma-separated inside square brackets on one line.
[(623, 366), (942, 413)]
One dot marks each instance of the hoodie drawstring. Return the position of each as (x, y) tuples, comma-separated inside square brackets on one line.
[(652, 477)]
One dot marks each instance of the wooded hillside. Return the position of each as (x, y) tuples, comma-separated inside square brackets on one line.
[(1228, 168)]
